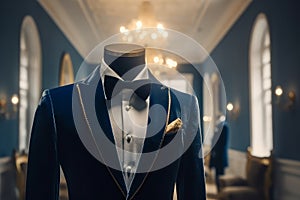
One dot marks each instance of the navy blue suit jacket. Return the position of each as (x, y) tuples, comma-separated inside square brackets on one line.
[(55, 142)]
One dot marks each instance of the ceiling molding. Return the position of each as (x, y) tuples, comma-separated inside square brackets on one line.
[(202, 12), (89, 19), (59, 11), (232, 15), (85, 28)]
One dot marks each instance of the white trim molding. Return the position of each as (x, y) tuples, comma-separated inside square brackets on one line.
[(286, 179), (232, 15), (5, 164)]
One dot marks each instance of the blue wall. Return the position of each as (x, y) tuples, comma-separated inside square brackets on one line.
[(53, 43), (231, 56)]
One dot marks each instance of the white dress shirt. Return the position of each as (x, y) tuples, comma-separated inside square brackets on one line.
[(129, 125)]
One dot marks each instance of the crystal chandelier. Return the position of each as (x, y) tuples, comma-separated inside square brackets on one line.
[(136, 31)]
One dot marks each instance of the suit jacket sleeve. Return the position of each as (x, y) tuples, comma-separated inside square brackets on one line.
[(43, 166), (190, 183)]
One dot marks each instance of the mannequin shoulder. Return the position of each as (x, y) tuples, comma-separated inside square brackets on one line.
[(61, 94), (183, 97)]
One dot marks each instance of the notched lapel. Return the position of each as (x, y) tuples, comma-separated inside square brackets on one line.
[(157, 124), (94, 107), (159, 96)]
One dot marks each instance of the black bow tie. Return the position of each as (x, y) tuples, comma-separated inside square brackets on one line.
[(114, 86)]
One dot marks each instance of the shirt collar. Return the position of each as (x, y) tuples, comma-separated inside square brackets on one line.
[(105, 70)]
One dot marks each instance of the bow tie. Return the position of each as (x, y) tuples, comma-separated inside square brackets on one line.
[(114, 86)]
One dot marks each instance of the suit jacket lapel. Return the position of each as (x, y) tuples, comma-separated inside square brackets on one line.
[(94, 106), (155, 133)]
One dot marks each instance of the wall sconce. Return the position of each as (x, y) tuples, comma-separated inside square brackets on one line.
[(285, 102), (233, 110), (8, 110)]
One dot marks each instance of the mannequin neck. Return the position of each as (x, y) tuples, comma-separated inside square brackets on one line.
[(126, 67), (125, 59)]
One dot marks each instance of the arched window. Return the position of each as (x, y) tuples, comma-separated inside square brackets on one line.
[(66, 74), (260, 83), (29, 78)]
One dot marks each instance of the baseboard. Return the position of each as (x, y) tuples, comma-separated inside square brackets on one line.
[(7, 179), (286, 179), (5, 164), (237, 163)]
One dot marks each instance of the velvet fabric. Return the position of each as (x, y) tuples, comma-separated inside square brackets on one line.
[(55, 142), (219, 152)]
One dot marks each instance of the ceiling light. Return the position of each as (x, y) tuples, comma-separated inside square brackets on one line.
[(160, 26), (139, 24), (122, 29), (156, 59)]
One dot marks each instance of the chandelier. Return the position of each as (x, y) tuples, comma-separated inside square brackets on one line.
[(136, 30), (146, 31)]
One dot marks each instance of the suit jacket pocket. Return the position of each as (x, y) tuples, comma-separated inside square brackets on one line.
[(168, 137)]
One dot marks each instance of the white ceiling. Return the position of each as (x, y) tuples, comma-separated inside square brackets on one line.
[(88, 22)]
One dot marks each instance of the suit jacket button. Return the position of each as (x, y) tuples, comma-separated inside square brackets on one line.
[(128, 138), (128, 169), (127, 108)]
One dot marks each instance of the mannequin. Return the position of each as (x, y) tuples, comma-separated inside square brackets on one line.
[(124, 57), (56, 137)]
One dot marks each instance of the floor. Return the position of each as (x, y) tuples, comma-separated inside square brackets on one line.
[(211, 189)]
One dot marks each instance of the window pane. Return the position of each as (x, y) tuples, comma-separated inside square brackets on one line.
[(267, 71), (266, 83), (268, 97), (266, 56), (267, 39)]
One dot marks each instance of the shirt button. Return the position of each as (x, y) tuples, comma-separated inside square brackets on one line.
[(128, 169), (128, 138), (128, 107)]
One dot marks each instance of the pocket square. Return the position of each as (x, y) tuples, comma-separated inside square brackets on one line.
[(174, 126)]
